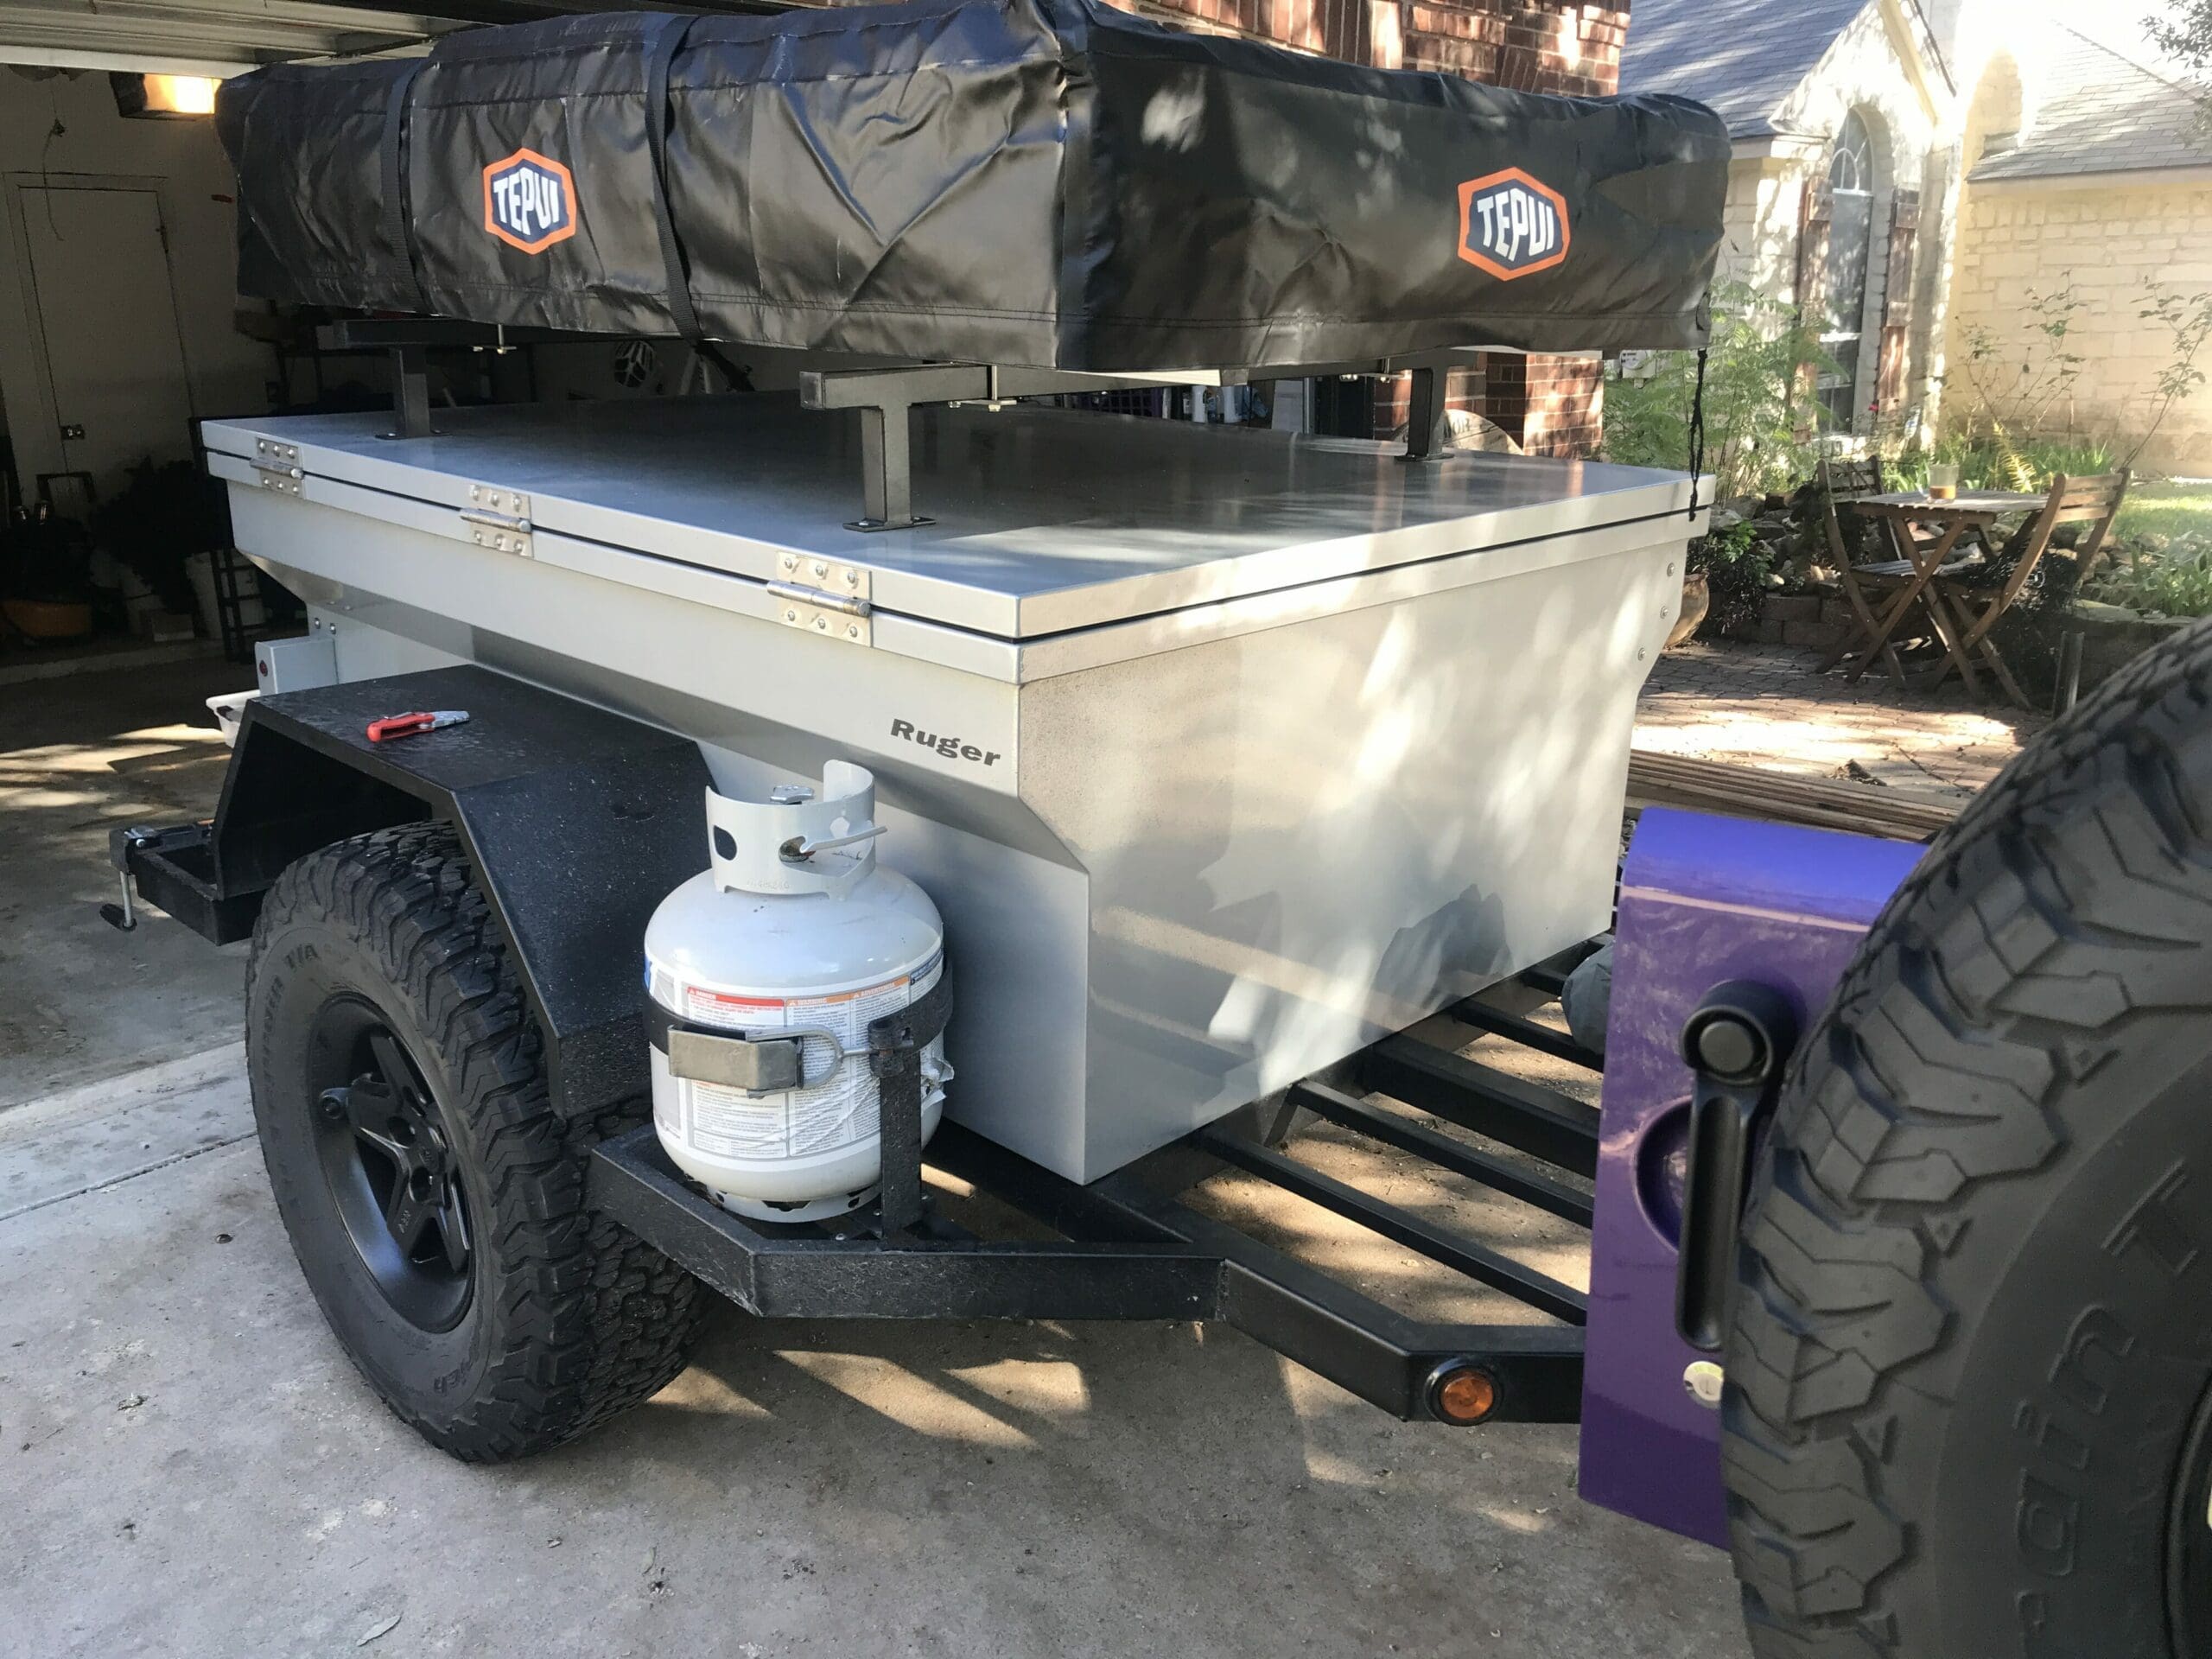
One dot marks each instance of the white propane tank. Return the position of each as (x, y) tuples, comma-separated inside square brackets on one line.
[(793, 927)]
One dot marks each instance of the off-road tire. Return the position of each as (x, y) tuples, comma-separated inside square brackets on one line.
[(569, 1319), (1971, 1339)]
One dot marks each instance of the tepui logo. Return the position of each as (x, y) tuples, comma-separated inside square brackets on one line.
[(530, 201), (1511, 224)]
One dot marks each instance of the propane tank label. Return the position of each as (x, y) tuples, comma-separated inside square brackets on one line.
[(842, 1109)]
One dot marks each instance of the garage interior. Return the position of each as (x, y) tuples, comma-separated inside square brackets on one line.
[(122, 330)]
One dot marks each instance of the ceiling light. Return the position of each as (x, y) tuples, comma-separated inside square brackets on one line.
[(164, 96)]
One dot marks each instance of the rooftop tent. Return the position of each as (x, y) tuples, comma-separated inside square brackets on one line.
[(1041, 182)]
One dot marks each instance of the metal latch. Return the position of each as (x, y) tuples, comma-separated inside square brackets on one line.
[(499, 519), (760, 1063), (278, 464), (823, 596)]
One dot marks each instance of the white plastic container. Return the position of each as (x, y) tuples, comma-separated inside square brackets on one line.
[(794, 927), (229, 709)]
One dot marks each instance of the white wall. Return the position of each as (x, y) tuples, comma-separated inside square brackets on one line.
[(229, 373)]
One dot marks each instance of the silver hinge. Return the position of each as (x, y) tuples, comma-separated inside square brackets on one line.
[(499, 519), (823, 596), (278, 464)]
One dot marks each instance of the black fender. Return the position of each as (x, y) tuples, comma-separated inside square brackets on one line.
[(577, 822)]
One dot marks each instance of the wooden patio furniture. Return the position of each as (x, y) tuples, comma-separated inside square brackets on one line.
[(1979, 607), (1844, 480), (1933, 535)]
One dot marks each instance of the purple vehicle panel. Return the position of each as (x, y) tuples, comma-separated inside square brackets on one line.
[(1703, 899)]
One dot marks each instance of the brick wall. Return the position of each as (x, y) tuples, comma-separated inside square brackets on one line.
[(1550, 405), (2107, 238), (1554, 405), (1538, 45)]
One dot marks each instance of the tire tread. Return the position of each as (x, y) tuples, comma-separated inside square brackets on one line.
[(2059, 908), (591, 1320)]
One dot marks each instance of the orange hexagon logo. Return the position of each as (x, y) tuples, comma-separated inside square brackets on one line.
[(530, 201), (1511, 224)]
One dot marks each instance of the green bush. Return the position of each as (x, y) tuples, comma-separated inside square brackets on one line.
[(1735, 564), (1985, 463), (2177, 582), (1759, 420)]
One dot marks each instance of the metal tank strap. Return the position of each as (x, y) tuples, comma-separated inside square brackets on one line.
[(895, 1043), (398, 224)]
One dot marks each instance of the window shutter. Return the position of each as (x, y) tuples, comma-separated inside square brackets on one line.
[(1904, 223), (1897, 302), (1815, 215)]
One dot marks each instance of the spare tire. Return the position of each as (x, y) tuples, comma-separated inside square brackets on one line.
[(1969, 1410)]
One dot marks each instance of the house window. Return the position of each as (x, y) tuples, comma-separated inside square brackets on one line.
[(1851, 191)]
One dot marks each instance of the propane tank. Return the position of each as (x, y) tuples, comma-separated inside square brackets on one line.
[(793, 927)]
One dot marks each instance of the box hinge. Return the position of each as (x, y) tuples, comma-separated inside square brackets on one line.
[(278, 466), (823, 596), (499, 519)]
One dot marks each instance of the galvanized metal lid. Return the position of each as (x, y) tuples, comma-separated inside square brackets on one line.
[(1046, 521)]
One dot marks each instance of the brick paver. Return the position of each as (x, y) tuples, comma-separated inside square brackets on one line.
[(1763, 706)]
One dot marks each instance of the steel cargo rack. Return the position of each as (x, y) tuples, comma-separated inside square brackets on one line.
[(885, 397)]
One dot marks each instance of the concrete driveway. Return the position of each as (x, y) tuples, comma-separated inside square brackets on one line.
[(78, 756), (192, 1468)]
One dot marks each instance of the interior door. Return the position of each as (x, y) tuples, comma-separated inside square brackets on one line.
[(115, 362)]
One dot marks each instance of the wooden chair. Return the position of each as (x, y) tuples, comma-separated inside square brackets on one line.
[(1979, 607), (1843, 480)]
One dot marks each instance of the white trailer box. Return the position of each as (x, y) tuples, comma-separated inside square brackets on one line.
[(1223, 752)]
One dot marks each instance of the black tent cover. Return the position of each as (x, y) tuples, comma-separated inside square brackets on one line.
[(1050, 183)]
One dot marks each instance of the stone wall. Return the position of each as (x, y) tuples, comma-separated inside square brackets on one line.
[(2108, 238), (1814, 621)]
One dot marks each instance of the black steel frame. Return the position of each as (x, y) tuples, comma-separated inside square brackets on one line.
[(536, 781), (1133, 1249)]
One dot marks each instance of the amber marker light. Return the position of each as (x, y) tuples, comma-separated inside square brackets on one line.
[(1462, 1393)]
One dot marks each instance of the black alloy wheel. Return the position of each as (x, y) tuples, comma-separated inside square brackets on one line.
[(392, 1168)]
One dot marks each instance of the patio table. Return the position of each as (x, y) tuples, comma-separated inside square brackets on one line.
[(1971, 511)]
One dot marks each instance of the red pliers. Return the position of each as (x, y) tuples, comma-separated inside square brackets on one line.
[(426, 719)]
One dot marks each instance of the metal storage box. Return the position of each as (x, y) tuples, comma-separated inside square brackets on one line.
[(1223, 752)]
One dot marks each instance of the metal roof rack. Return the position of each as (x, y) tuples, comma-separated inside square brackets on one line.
[(886, 397)]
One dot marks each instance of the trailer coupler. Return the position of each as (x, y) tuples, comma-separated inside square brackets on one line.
[(173, 869)]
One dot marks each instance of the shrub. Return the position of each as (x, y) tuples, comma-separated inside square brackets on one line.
[(1759, 430), (1735, 563), (2174, 583), (1986, 463)]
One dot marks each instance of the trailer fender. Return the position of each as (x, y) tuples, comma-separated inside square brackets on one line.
[(575, 821)]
